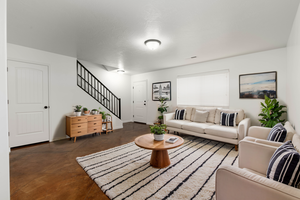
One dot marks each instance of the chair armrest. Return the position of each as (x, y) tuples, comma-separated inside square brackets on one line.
[(248, 186), (243, 128), (168, 117), (259, 132), (255, 156), (270, 143)]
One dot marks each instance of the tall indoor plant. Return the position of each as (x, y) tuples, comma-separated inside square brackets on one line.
[(271, 112), (162, 108)]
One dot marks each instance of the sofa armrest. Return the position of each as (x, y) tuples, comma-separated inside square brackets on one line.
[(248, 186), (255, 156), (270, 143), (259, 132), (243, 128), (168, 117)]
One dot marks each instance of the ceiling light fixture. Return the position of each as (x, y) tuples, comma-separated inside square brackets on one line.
[(121, 71), (152, 44)]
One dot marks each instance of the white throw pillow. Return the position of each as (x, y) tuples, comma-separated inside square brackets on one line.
[(200, 116)]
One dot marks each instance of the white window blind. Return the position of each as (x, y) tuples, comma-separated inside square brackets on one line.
[(205, 89)]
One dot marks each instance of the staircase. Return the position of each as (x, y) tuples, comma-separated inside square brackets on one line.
[(92, 86)]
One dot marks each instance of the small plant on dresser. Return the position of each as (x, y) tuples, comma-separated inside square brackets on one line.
[(86, 111), (77, 110)]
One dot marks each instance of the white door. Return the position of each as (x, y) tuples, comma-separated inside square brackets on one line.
[(140, 102), (28, 103)]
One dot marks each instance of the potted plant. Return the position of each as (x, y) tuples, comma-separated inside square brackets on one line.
[(95, 111), (86, 111), (162, 108), (271, 113), (158, 131), (77, 110), (104, 115)]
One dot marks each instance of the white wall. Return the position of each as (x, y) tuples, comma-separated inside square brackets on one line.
[(293, 72), (274, 60), (4, 148), (63, 90)]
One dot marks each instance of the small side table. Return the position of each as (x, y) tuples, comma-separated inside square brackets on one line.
[(106, 129)]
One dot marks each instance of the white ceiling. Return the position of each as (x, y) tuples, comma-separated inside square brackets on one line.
[(112, 33)]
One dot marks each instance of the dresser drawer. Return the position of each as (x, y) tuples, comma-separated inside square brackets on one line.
[(79, 126), (95, 118), (94, 123), (76, 133), (95, 129), (77, 120)]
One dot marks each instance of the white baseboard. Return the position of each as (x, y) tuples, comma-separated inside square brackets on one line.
[(126, 121), (150, 123)]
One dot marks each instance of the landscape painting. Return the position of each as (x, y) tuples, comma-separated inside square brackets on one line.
[(161, 89), (256, 86)]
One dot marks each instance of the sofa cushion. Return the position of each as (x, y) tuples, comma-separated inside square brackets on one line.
[(196, 127), (188, 111), (239, 118), (284, 165), (277, 133), (227, 119), (211, 115), (296, 142), (180, 114), (222, 131), (177, 123), (290, 131), (200, 116)]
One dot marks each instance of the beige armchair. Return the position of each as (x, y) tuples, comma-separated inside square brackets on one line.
[(248, 181), (260, 134)]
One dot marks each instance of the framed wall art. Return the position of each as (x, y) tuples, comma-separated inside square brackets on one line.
[(257, 85), (161, 89)]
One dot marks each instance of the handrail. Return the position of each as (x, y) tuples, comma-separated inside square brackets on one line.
[(96, 89)]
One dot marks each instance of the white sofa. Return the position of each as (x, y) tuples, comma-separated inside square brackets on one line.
[(248, 181), (211, 129)]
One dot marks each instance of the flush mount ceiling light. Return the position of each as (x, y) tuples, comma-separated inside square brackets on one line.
[(121, 71), (152, 44)]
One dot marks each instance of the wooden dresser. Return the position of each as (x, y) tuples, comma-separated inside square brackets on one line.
[(83, 125)]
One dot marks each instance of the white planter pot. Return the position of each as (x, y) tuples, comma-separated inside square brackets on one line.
[(158, 137), (78, 113), (94, 112)]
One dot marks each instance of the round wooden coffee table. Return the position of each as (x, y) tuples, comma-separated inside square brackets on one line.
[(160, 157)]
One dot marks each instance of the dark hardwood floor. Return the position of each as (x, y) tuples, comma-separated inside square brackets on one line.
[(50, 170)]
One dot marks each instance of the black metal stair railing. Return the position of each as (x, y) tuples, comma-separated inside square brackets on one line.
[(91, 85)]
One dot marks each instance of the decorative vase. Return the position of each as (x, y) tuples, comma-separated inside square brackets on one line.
[(78, 113), (158, 137), (94, 112), (86, 112)]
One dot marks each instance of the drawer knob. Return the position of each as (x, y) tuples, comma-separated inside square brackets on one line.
[(95, 129), (95, 117), (79, 120), (79, 131), (79, 126), (95, 123)]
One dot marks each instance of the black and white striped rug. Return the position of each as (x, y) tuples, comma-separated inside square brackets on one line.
[(124, 172)]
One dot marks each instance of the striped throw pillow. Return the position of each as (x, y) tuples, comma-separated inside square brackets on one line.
[(278, 133), (228, 119), (284, 165), (180, 114)]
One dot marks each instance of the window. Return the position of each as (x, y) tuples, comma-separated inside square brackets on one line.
[(205, 89)]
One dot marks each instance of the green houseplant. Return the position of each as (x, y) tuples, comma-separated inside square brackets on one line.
[(271, 113), (104, 115), (77, 110), (86, 111), (162, 108), (95, 111), (158, 131)]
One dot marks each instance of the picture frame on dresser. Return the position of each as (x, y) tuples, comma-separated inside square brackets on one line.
[(161, 89), (257, 85)]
